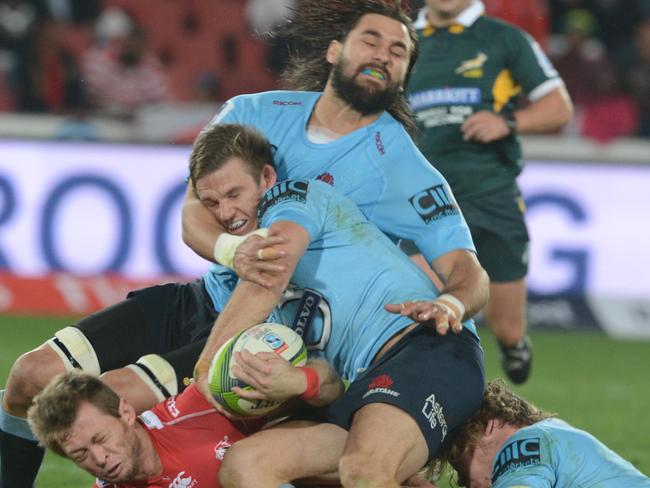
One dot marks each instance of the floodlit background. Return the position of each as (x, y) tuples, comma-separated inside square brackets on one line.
[(93, 163)]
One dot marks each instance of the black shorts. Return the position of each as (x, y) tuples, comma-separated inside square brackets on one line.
[(496, 221), (172, 320), (438, 380)]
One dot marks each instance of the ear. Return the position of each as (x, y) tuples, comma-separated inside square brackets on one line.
[(333, 52), (127, 412), (269, 177)]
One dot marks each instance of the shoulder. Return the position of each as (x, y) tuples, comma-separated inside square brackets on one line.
[(529, 446), (488, 25)]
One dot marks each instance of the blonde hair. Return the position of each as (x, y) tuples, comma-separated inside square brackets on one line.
[(54, 409), (499, 403)]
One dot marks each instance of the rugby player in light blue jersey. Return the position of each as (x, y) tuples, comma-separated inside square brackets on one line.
[(511, 443), (348, 127), (340, 270)]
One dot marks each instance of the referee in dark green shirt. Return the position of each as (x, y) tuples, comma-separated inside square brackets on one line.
[(470, 74)]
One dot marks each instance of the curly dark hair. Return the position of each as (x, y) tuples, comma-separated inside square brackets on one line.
[(319, 22)]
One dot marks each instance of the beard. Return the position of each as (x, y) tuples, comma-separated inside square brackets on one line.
[(133, 448), (365, 100)]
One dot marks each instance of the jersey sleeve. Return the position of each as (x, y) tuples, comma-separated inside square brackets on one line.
[(529, 65), (526, 460), (299, 201), (418, 205)]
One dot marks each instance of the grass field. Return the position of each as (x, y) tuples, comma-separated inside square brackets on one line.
[(596, 383)]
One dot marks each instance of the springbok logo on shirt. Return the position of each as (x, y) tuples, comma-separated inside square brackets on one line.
[(472, 68), (180, 482)]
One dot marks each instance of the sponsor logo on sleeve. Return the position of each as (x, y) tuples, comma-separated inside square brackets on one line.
[(434, 413), (381, 384), (294, 190), (433, 204), (517, 454), (171, 407)]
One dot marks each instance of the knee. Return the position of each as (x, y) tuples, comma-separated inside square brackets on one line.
[(238, 466), (29, 375), (360, 470), (247, 464)]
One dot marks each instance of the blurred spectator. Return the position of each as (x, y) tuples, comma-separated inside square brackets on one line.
[(616, 18), (531, 15), (120, 72), (634, 64), (578, 55), (20, 21), (610, 113)]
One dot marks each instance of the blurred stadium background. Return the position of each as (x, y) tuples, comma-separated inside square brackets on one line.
[(99, 100)]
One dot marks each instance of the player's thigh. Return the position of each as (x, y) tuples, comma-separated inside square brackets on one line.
[(291, 450), (389, 438)]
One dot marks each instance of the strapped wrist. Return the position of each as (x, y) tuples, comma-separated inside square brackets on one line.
[(313, 383), (227, 244), (452, 304)]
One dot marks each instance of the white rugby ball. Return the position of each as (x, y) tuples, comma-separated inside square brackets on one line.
[(266, 337)]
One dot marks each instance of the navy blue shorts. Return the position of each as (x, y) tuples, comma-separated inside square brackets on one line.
[(438, 380)]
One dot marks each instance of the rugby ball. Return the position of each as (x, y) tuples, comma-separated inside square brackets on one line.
[(266, 337)]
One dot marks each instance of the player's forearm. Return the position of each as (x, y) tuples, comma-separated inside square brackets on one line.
[(464, 278), (331, 386), (200, 228), (249, 304), (547, 114)]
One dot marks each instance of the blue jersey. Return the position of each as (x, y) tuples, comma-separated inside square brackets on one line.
[(377, 166), (348, 272), (551, 453)]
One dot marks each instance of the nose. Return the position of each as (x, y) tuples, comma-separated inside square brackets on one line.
[(382, 54), (226, 211), (100, 455)]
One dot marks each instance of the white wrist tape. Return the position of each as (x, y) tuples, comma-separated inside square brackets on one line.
[(227, 244), (453, 305)]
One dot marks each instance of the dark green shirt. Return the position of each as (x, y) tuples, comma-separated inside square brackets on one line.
[(482, 65)]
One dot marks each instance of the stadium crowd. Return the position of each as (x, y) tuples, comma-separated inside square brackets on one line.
[(114, 57)]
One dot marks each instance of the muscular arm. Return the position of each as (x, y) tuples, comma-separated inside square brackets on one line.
[(200, 228), (549, 113), (251, 303)]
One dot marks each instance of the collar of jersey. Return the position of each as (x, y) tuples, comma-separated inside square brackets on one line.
[(360, 132), (465, 19)]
